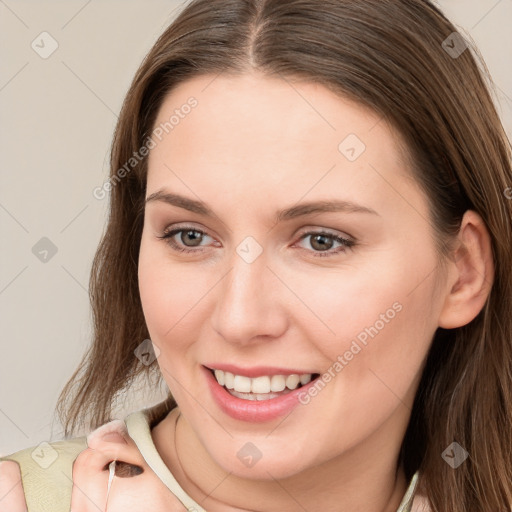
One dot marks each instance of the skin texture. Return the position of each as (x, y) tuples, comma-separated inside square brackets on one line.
[(252, 146), (11, 490), (110, 442)]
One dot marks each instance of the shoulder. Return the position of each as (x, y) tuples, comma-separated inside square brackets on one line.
[(48, 469), (46, 473)]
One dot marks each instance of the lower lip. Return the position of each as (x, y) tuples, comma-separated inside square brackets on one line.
[(254, 411)]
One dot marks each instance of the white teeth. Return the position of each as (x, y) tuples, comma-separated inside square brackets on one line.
[(229, 379), (219, 375), (277, 383), (254, 396), (304, 379), (261, 385), (292, 381), (242, 384)]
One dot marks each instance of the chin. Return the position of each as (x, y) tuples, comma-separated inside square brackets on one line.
[(259, 459)]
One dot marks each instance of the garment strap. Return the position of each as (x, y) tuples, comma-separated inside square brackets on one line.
[(139, 430)]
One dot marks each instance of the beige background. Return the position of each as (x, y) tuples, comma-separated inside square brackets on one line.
[(57, 119)]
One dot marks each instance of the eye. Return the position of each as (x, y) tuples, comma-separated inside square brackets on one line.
[(188, 237), (182, 239), (322, 243)]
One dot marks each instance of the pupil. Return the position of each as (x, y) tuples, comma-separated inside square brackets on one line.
[(322, 246), (195, 240)]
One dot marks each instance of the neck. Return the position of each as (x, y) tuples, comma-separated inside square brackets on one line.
[(365, 478)]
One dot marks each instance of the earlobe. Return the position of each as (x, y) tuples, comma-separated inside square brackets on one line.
[(471, 273)]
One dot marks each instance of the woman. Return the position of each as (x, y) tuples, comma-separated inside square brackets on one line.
[(310, 219)]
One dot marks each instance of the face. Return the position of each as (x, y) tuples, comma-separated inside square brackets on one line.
[(257, 285)]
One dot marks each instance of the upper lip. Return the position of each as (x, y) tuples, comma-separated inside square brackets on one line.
[(255, 371)]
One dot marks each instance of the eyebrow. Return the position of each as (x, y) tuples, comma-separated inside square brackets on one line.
[(293, 212)]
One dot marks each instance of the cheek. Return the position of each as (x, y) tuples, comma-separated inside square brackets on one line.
[(374, 370), (381, 322), (376, 303), (169, 293), (173, 302), (385, 357)]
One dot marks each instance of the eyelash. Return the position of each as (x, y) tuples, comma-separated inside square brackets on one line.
[(345, 243)]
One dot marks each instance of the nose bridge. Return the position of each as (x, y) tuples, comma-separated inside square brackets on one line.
[(247, 305)]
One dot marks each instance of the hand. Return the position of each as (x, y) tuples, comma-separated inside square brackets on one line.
[(12, 497), (135, 486)]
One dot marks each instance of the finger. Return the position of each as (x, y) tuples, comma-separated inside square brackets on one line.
[(89, 492), (114, 443), (91, 468), (12, 497)]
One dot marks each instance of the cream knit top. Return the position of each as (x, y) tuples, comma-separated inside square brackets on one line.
[(49, 489)]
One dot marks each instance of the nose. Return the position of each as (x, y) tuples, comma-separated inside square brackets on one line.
[(250, 306)]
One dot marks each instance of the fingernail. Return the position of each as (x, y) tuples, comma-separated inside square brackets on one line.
[(114, 437), (113, 431)]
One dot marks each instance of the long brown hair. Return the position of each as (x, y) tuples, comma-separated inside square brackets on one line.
[(392, 56)]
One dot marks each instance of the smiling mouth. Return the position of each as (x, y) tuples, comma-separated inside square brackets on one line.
[(264, 387)]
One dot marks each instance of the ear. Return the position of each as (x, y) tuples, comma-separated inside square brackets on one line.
[(470, 274)]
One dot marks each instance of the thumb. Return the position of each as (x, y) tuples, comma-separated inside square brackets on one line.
[(91, 468), (113, 442)]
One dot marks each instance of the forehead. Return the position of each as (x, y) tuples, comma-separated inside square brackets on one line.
[(252, 137)]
